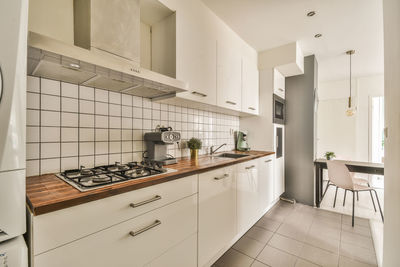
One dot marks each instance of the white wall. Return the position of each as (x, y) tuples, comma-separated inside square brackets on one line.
[(348, 137), (391, 14)]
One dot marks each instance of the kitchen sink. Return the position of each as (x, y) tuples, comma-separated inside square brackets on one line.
[(231, 155)]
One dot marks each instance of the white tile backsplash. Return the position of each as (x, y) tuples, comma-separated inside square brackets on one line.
[(69, 90), (87, 126)]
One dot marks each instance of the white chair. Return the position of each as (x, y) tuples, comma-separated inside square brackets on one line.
[(340, 177)]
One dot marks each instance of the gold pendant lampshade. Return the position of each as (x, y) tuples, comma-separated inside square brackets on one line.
[(351, 108)]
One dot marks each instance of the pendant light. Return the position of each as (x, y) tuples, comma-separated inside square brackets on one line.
[(351, 108)]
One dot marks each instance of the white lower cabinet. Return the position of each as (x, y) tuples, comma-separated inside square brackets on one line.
[(196, 220), (266, 183), (135, 242), (247, 194), (217, 213), (184, 254)]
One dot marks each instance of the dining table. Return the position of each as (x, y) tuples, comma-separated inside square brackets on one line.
[(353, 166)]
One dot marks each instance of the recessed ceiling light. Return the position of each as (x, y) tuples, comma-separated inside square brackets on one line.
[(311, 13), (318, 35)]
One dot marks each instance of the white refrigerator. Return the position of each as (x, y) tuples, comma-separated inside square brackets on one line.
[(13, 58)]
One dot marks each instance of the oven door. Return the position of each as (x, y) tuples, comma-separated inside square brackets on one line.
[(279, 110)]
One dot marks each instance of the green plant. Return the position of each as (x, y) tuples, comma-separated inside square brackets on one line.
[(194, 143), (330, 155)]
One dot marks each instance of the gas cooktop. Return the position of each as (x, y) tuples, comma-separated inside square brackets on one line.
[(85, 179)]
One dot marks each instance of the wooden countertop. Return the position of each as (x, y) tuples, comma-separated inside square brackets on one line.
[(47, 193)]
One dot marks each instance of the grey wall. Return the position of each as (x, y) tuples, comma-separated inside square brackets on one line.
[(299, 133)]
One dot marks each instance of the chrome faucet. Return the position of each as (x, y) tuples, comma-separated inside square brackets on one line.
[(212, 151)]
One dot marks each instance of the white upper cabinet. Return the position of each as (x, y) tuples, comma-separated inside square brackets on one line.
[(250, 87), (229, 72), (279, 84), (196, 50)]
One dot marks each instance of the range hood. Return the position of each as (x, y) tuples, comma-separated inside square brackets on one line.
[(90, 66)]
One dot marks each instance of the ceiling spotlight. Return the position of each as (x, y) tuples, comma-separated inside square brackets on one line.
[(311, 13), (318, 35)]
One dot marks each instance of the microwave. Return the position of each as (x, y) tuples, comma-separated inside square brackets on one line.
[(278, 110)]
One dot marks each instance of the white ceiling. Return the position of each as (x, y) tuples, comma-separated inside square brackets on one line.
[(344, 24)]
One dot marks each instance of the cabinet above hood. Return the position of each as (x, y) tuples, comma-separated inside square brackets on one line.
[(105, 53)]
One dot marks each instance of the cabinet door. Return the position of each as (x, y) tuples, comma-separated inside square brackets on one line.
[(229, 73), (184, 254), (217, 213), (196, 51), (247, 194), (266, 183), (279, 84), (132, 243), (250, 88)]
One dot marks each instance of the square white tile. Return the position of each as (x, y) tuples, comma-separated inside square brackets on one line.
[(69, 119), (115, 98), (33, 84), (101, 95), (69, 90), (69, 149), (50, 118), (49, 166), (49, 150), (33, 100), (86, 106), (50, 87), (69, 104), (50, 134), (86, 93)]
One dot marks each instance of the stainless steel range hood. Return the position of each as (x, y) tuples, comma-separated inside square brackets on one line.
[(92, 65)]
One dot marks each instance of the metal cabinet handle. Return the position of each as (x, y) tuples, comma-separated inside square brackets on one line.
[(1, 84), (230, 102), (155, 198), (144, 229), (280, 89), (221, 177), (198, 93), (250, 167), (268, 160), (251, 108)]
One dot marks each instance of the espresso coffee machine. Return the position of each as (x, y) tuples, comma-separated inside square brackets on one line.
[(157, 143), (241, 141)]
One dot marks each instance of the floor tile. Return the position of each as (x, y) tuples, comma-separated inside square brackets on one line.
[(233, 258), (357, 253), (276, 258), (297, 232), (357, 229), (346, 219), (357, 240), (303, 263), (258, 264), (326, 221), (319, 256), (249, 246), (268, 224), (259, 234), (347, 262), (325, 231), (323, 242), (286, 244)]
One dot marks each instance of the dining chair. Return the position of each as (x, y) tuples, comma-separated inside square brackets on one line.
[(340, 177)]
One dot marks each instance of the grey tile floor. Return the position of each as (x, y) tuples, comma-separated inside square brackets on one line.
[(299, 235)]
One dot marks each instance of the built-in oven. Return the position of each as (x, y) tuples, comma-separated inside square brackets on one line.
[(279, 109)]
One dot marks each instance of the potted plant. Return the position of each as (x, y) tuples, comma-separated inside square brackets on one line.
[(194, 144), (330, 155)]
